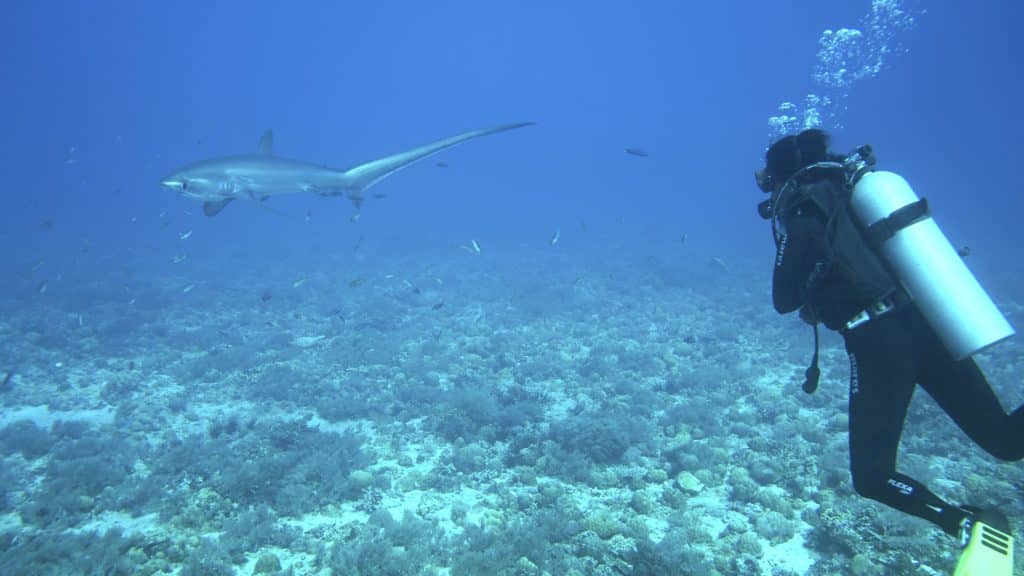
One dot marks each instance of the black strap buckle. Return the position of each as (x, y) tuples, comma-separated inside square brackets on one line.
[(877, 308)]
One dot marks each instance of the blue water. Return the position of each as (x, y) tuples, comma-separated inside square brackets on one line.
[(360, 391)]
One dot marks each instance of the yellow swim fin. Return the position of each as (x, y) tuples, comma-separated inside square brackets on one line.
[(989, 551)]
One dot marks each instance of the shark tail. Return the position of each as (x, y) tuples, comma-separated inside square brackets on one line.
[(361, 177)]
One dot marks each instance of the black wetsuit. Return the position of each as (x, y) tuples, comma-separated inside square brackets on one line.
[(889, 355)]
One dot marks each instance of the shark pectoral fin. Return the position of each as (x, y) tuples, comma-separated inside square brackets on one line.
[(266, 145), (213, 208), (365, 175)]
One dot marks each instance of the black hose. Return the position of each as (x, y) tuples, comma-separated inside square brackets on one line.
[(813, 373)]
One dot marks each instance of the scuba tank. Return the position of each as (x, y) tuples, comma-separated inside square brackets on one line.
[(899, 225)]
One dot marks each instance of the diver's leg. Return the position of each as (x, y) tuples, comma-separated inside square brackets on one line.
[(962, 390), (883, 370)]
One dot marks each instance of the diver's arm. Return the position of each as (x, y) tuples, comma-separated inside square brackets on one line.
[(799, 251)]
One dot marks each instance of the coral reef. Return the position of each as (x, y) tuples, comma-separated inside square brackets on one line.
[(510, 437)]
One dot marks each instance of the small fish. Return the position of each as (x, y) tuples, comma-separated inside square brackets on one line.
[(46, 224), (554, 239), (473, 248), (179, 259), (185, 235), (6, 384), (355, 217), (41, 287), (299, 282), (188, 288), (720, 264), (356, 282), (441, 164), (963, 251), (266, 296), (637, 152), (438, 281), (438, 306), (379, 195), (37, 265), (309, 216), (682, 239), (132, 302), (81, 322)]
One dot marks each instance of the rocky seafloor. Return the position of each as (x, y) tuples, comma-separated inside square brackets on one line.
[(515, 415)]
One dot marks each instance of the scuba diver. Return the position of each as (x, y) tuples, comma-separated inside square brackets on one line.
[(857, 251)]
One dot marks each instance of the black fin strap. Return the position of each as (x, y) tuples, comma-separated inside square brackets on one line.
[(887, 227), (813, 372)]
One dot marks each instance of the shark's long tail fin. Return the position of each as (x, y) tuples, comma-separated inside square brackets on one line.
[(361, 177)]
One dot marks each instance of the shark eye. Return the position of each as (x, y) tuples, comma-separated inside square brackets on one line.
[(184, 184)]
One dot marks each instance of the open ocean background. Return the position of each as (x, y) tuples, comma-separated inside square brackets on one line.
[(295, 387)]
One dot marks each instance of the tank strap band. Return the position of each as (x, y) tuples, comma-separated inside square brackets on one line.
[(887, 227), (880, 307)]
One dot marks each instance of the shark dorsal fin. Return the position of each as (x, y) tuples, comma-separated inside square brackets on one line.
[(266, 146)]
